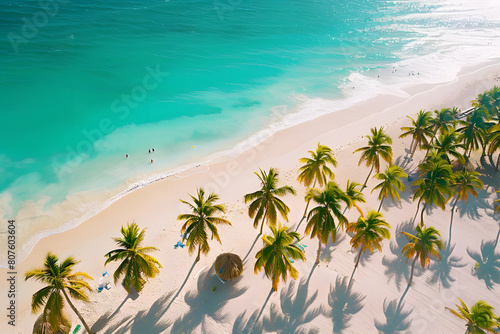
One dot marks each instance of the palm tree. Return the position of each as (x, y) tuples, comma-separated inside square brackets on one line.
[(464, 183), (265, 202), (419, 130), (424, 245), (354, 195), (202, 216), (321, 219), (433, 186), (391, 183), (480, 317), (448, 144), (494, 95), (369, 234), (442, 122), (59, 281), (274, 256), (474, 129), (315, 169), (379, 145), (493, 139), (135, 259)]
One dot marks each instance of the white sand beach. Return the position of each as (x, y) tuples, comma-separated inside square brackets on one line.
[(181, 298)]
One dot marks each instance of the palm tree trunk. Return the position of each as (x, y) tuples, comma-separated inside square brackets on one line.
[(305, 212), (380, 206), (451, 222), (422, 215), (364, 184), (411, 145), (418, 206), (412, 268), (199, 251), (263, 221), (355, 267), (319, 250), (76, 312)]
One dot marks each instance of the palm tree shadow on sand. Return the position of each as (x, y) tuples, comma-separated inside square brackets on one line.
[(487, 267), (395, 318), (244, 326), (472, 210), (398, 268), (329, 248), (144, 321), (293, 310), (135, 324), (344, 304), (441, 270), (206, 302)]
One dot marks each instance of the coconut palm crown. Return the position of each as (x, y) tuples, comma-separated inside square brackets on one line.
[(391, 184), (60, 284), (265, 203), (379, 146), (424, 245), (479, 318), (136, 263), (321, 219), (275, 256), (202, 218)]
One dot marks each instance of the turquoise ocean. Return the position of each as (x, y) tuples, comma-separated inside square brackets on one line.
[(83, 83)]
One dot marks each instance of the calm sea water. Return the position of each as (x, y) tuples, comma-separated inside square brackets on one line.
[(83, 83)]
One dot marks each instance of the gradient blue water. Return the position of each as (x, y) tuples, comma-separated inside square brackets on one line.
[(67, 123)]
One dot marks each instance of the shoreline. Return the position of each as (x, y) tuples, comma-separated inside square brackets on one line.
[(258, 138), (157, 205)]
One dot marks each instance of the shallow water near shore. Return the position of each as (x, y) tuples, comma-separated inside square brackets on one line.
[(101, 80)]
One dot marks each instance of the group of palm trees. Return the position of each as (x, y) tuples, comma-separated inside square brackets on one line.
[(444, 173)]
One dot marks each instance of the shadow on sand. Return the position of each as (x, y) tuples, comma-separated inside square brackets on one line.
[(487, 267), (441, 270), (206, 301), (293, 311), (398, 268), (344, 304), (142, 322), (395, 318)]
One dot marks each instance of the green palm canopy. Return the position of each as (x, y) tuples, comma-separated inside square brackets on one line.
[(316, 169), (419, 130), (424, 245), (379, 146), (265, 203), (391, 184), (434, 184), (60, 284), (275, 257), (369, 233), (321, 219), (201, 219), (479, 318), (136, 263)]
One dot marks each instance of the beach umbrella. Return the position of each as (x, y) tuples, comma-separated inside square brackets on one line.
[(43, 327), (228, 266)]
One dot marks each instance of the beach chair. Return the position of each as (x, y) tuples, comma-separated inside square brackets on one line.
[(179, 244), (77, 329)]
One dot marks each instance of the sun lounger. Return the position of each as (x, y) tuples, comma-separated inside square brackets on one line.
[(77, 329)]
